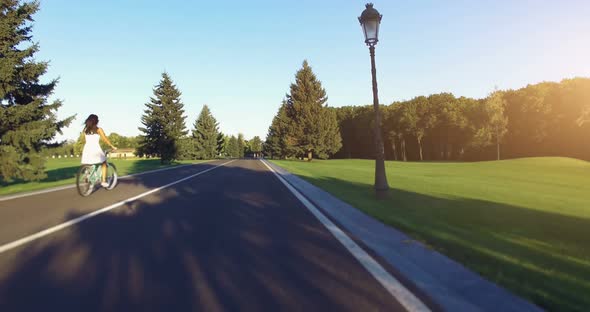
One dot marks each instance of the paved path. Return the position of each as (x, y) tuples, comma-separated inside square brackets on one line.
[(231, 238)]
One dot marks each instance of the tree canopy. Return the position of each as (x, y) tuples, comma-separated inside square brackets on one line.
[(304, 125), (545, 119), (163, 122), (206, 135), (27, 121)]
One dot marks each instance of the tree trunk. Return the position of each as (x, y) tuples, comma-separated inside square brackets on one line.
[(309, 156), (404, 149), (420, 146), (498, 144), (450, 152), (497, 132), (394, 151)]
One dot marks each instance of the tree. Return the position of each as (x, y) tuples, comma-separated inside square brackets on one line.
[(498, 123), (392, 127), (116, 139), (226, 147), (418, 119), (205, 133), (187, 148), (256, 146), (27, 121), (163, 122), (233, 149), (313, 127), (241, 145), (221, 144), (279, 140), (79, 144)]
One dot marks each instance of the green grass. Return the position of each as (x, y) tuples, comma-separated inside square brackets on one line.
[(523, 223), (63, 171)]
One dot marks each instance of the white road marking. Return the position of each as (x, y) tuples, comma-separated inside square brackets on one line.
[(65, 187), (64, 225), (391, 284)]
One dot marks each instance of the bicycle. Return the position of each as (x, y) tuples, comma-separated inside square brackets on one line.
[(89, 176)]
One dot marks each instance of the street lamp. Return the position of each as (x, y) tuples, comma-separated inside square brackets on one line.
[(370, 20)]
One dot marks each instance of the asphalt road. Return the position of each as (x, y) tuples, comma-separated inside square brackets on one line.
[(230, 239)]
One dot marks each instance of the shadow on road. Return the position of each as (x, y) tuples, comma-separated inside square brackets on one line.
[(233, 241)]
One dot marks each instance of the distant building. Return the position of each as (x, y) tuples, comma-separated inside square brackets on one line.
[(123, 153)]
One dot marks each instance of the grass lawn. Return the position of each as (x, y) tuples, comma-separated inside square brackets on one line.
[(63, 171), (523, 223)]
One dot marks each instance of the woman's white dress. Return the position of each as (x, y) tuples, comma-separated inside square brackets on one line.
[(92, 153)]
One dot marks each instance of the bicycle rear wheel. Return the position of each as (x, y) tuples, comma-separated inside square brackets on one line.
[(84, 183), (112, 177)]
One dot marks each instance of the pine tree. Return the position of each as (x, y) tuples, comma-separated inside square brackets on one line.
[(312, 124), (186, 148), (221, 143), (279, 140), (27, 121), (163, 122), (206, 133)]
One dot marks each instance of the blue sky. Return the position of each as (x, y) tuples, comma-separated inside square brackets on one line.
[(239, 57)]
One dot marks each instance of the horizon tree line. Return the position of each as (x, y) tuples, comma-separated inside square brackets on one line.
[(544, 119)]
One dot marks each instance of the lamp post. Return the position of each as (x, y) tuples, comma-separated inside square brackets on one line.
[(370, 20)]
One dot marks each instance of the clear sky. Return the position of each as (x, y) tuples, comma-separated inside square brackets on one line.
[(239, 57)]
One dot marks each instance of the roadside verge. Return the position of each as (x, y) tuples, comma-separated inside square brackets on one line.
[(448, 283)]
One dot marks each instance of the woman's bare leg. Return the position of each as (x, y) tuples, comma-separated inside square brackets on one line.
[(104, 171)]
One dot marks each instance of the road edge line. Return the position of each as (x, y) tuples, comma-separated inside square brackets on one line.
[(32, 237), (406, 298)]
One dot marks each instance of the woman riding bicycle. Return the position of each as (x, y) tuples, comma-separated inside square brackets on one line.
[(93, 153)]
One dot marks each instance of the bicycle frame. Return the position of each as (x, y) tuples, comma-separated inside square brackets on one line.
[(95, 174)]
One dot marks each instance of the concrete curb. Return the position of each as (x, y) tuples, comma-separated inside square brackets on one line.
[(448, 283)]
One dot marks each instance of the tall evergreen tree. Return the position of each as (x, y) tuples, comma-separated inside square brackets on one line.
[(314, 127), (163, 122), (221, 143), (206, 133), (27, 121), (279, 141)]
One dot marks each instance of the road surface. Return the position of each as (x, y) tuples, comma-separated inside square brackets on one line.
[(228, 237)]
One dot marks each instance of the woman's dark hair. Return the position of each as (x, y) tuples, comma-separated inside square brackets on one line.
[(90, 125)]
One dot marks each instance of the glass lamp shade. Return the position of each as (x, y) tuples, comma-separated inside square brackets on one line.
[(370, 20)]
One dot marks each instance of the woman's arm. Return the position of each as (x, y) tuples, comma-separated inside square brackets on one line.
[(104, 138)]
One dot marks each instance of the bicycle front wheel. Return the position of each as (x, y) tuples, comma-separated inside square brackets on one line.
[(112, 177), (84, 182)]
